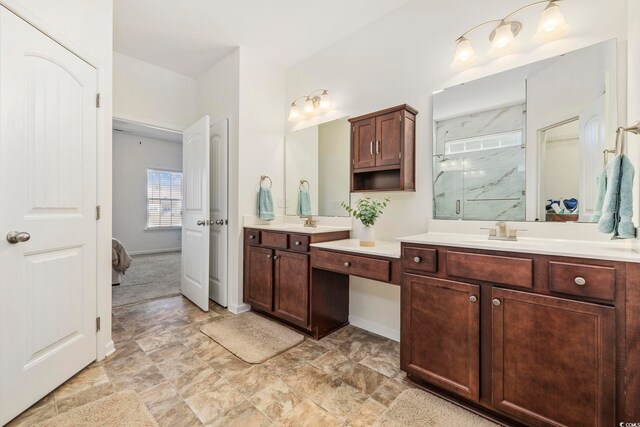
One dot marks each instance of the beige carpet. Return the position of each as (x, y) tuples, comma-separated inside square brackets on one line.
[(418, 408), (251, 337), (119, 409)]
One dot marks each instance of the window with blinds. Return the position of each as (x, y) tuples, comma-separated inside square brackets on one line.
[(164, 199)]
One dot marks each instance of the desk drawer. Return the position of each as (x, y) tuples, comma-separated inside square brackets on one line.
[(491, 268), (420, 259), (274, 240), (582, 280), (299, 243), (370, 268)]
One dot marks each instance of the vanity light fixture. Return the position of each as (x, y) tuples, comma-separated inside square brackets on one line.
[(552, 25), (316, 102)]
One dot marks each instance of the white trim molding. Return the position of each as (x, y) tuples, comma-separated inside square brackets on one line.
[(237, 309), (392, 334), (156, 251)]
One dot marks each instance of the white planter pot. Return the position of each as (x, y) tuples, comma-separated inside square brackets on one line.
[(367, 236)]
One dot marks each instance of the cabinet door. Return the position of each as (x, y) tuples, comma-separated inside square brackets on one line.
[(388, 139), (553, 359), (441, 334), (363, 143), (292, 287), (260, 277)]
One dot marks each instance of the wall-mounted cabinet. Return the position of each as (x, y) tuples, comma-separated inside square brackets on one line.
[(383, 150)]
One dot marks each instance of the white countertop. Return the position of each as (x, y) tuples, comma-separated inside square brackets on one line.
[(299, 228), (613, 250), (382, 248)]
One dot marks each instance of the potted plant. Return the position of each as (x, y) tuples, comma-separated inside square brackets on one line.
[(368, 211)]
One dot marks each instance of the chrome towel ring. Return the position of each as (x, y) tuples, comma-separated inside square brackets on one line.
[(302, 183), (265, 177)]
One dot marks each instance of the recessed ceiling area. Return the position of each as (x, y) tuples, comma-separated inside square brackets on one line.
[(189, 37)]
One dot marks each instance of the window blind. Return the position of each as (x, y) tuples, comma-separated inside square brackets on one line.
[(164, 199)]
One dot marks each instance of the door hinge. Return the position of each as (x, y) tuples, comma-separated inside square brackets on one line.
[(97, 100), (97, 324), (98, 212)]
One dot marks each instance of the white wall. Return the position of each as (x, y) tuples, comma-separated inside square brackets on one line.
[(403, 58), (132, 156), (146, 93), (86, 26)]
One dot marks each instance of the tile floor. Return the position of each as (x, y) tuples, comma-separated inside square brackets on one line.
[(186, 379)]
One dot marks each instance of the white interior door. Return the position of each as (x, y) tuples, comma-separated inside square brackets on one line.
[(219, 205), (195, 211), (47, 193), (592, 142)]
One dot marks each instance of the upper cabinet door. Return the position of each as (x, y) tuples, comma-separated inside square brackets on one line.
[(559, 349), (363, 143), (388, 139)]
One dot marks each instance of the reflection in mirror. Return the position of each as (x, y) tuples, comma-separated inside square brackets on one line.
[(526, 144), (317, 169)]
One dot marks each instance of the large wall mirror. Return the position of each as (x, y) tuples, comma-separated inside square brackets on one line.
[(526, 144), (317, 169)]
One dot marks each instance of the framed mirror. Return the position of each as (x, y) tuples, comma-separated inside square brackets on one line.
[(317, 169), (526, 144)]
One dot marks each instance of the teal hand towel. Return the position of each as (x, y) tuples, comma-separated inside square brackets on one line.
[(609, 219), (602, 190), (304, 203), (265, 204), (617, 208)]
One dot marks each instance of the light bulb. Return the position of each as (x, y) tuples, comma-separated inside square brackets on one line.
[(325, 101), (552, 24), (308, 106), (503, 40), (465, 56), (294, 112)]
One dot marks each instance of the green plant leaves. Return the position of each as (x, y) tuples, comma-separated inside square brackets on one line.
[(367, 210)]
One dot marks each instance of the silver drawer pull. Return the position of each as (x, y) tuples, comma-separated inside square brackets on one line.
[(251, 237), (347, 264), (298, 243), (417, 259), (473, 298), (496, 302), (580, 281)]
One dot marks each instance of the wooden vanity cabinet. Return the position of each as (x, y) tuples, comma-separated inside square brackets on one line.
[(383, 150), (524, 347), (277, 281)]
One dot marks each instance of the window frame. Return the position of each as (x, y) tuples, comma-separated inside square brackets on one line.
[(161, 227)]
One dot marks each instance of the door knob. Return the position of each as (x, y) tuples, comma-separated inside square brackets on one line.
[(580, 281), (473, 298), (201, 222), (417, 259), (347, 264), (496, 302), (220, 222), (14, 237)]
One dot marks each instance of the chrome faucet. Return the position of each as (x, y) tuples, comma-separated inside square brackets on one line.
[(309, 221), (503, 232)]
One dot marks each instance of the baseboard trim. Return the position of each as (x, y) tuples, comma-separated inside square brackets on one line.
[(109, 348), (237, 309), (375, 328), (155, 251)]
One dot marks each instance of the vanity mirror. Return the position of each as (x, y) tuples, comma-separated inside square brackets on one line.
[(526, 144), (317, 169)]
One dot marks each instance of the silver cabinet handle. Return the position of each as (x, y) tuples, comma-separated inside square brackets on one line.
[(14, 237), (201, 222), (347, 264), (275, 257), (457, 207), (251, 237), (417, 259), (298, 243), (580, 281), (496, 302), (371, 148), (378, 147), (473, 298)]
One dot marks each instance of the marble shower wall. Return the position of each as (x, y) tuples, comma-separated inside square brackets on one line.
[(489, 184)]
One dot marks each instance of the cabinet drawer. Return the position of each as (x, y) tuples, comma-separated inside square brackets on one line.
[(491, 268), (274, 240), (252, 237), (370, 268), (299, 243), (582, 280), (420, 259)]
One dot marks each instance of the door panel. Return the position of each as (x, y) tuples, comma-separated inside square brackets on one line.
[(260, 278), (553, 359), (48, 136), (292, 287), (441, 333), (388, 134), (195, 236), (364, 138), (218, 212)]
